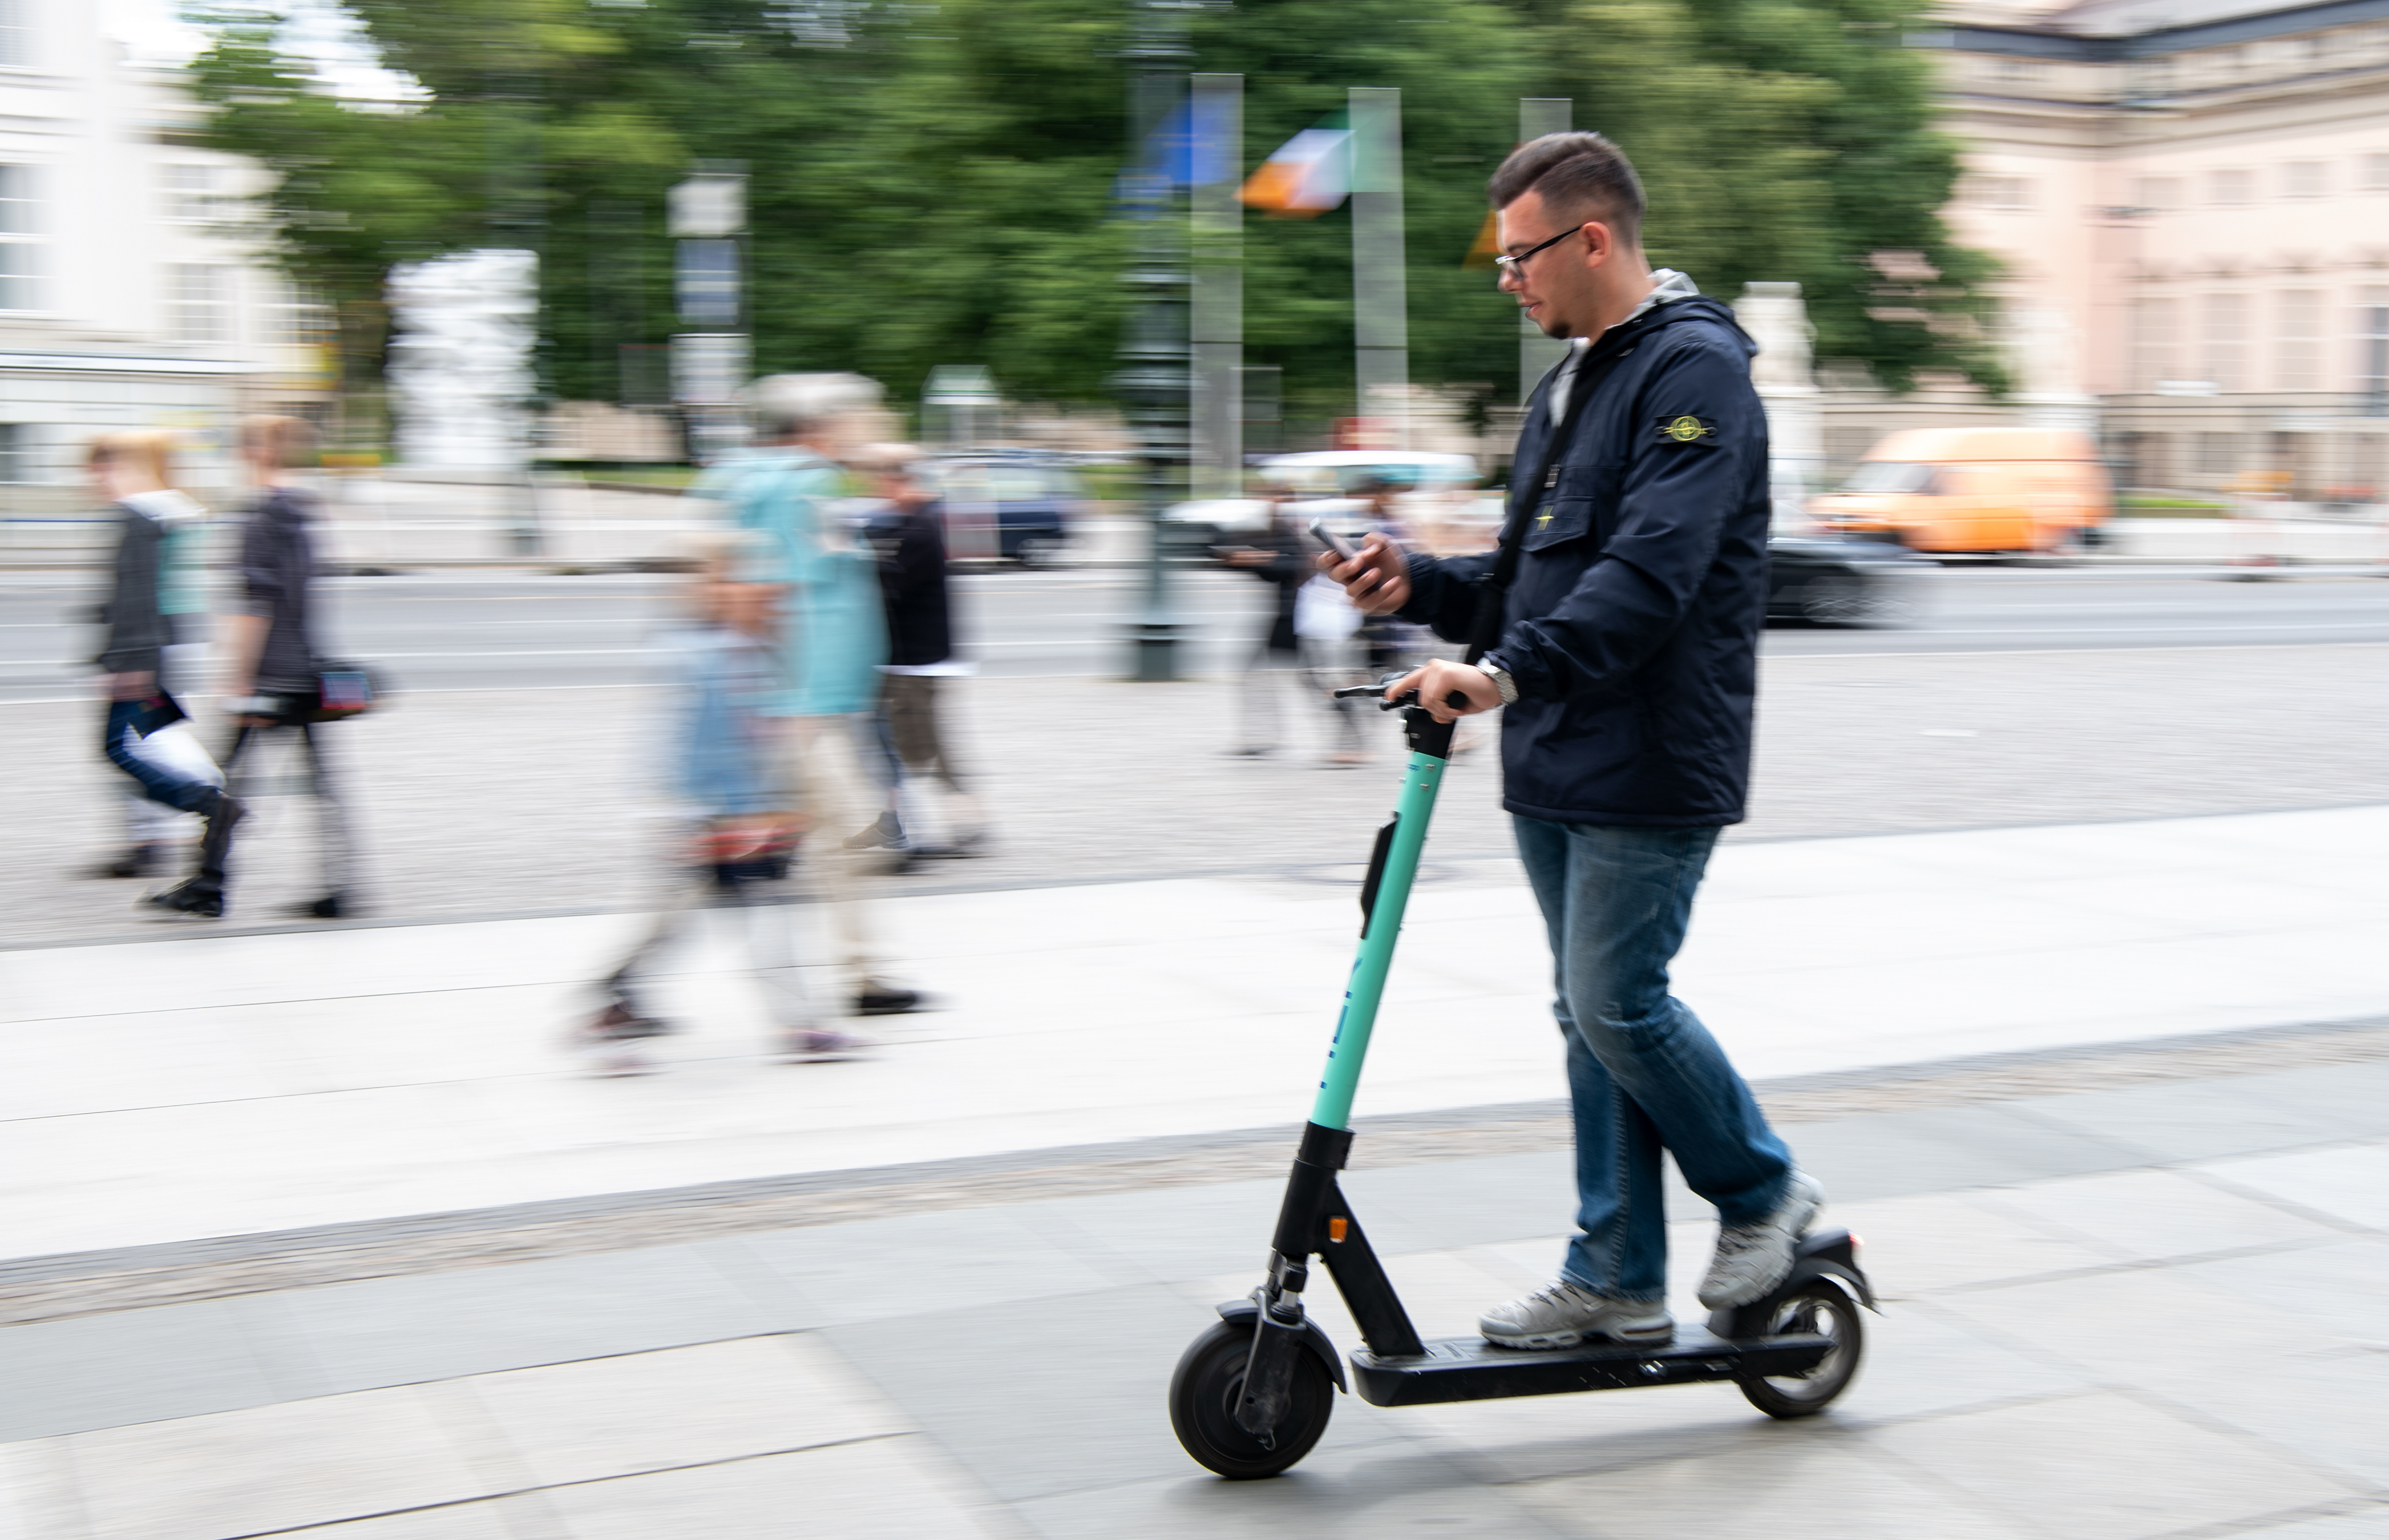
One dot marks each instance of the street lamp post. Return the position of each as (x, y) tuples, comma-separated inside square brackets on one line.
[(1153, 375)]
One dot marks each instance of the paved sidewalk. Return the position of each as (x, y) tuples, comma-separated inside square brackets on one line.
[(169, 1091), (2133, 1313)]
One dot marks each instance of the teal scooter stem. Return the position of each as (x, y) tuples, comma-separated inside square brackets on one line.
[(1252, 1393), (1383, 896)]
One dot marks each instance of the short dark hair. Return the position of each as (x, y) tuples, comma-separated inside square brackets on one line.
[(1582, 174)]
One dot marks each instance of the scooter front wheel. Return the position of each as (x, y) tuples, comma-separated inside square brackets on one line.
[(1209, 1384), (1816, 1308)]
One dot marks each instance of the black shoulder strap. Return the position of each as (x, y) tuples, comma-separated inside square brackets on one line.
[(1493, 588)]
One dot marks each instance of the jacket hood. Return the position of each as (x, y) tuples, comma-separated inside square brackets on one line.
[(285, 505), (166, 509), (1686, 304)]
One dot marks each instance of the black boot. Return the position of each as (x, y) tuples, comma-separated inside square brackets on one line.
[(203, 895), (138, 861)]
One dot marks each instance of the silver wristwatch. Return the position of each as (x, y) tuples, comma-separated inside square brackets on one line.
[(1501, 681)]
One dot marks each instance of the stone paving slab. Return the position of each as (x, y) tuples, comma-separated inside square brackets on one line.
[(2165, 1351)]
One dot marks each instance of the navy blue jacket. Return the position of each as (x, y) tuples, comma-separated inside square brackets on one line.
[(1632, 626)]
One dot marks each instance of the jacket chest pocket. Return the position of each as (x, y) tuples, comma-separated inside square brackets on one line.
[(1559, 521), (1580, 502)]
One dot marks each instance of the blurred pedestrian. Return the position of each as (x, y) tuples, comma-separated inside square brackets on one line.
[(833, 638), (1303, 643), (152, 829), (272, 668), (1388, 643), (731, 830), (134, 472), (915, 682)]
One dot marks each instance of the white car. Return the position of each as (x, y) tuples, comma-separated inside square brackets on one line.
[(1324, 483)]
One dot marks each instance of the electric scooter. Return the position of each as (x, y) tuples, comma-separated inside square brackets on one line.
[(1253, 1392)]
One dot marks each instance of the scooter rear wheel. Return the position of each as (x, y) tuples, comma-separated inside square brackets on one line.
[(1203, 1396), (1816, 1308)]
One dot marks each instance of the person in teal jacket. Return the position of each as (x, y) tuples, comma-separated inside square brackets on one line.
[(791, 493)]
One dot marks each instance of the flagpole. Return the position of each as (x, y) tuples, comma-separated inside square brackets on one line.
[(1152, 376), (1536, 353), (1218, 310), (1381, 357)]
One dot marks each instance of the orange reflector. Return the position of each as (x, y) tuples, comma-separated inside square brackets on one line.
[(1335, 1227)]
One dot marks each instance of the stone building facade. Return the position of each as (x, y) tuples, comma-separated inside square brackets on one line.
[(2191, 200)]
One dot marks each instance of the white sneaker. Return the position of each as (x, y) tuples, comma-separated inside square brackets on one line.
[(819, 1044), (1751, 1259), (1565, 1315)]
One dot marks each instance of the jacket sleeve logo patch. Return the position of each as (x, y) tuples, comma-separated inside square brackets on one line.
[(1686, 429)]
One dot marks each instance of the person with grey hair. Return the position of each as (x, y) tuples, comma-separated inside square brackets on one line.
[(832, 637)]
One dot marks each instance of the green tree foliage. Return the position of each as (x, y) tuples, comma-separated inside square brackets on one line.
[(935, 183), (1788, 139)]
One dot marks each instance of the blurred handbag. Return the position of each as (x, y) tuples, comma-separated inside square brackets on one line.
[(342, 690)]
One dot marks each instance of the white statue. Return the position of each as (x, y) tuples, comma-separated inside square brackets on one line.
[(1777, 320), (461, 362)]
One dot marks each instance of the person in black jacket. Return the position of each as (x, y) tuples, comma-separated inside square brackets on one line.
[(1282, 558), (132, 470), (910, 541), (272, 663), (1626, 661)]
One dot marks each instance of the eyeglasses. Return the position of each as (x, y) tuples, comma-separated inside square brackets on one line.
[(1516, 267)]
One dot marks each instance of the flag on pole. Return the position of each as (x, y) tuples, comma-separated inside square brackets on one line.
[(1488, 243), (1307, 175)]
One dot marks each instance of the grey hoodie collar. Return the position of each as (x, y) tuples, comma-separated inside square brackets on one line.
[(1667, 286)]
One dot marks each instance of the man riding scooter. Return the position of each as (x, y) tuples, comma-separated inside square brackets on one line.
[(1628, 665)]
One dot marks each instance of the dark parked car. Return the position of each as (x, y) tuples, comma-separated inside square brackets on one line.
[(1832, 580), (1003, 508)]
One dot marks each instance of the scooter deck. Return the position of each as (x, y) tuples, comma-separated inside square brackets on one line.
[(1469, 1368)]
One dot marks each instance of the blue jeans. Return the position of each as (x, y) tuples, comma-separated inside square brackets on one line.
[(134, 719), (1643, 1073)]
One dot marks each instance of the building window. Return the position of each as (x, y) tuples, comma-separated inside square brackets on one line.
[(17, 454), (20, 242), (191, 191), (2232, 186), (2297, 340), (302, 319), (2226, 341), (2157, 194), (16, 35), (2013, 194), (2019, 72), (2154, 454), (2306, 179), (2373, 347), (2156, 333), (2376, 173), (2219, 453), (198, 302)]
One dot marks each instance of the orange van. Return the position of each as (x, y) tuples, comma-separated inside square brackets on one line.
[(1974, 488)]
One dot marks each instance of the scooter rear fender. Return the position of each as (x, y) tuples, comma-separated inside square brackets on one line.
[(1241, 1312), (1825, 1253)]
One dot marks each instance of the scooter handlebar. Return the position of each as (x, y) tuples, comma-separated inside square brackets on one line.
[(1377, 692)]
